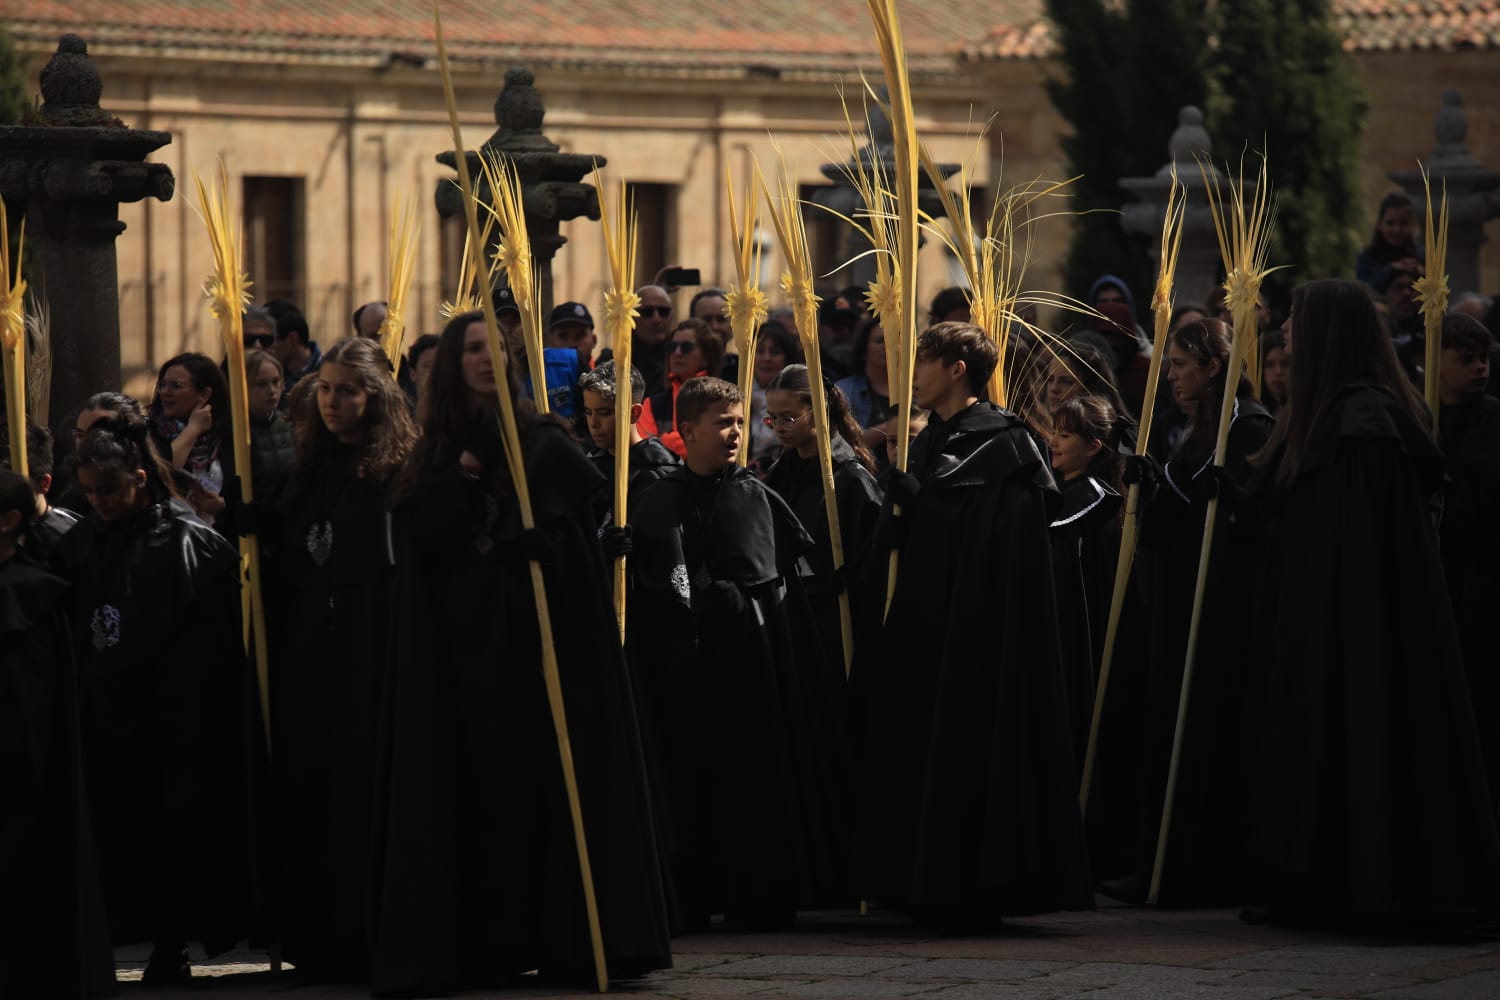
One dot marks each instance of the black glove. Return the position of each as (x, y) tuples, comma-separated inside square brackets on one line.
[(616, 541), (1216, 481), (1142, 469), (903, 488), (838, 581), (723, 595), (535, 545)]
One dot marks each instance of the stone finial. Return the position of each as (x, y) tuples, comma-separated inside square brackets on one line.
[(1452, 124), (1190, 139), (71, 87), (519, 107)]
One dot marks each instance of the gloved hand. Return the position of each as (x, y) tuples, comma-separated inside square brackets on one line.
[(1143, 469), (535, 545), (903, 488), (1216, 481), (616, 541)]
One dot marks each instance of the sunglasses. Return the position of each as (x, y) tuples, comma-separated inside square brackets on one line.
[(264, 340), (655, 311), (683, 346)]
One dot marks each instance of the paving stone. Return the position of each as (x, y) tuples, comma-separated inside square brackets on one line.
[(1323, 984), (970, 969), (807, 965), (709, 986), (1356, 958), (1475, 986), (1118, 973), (852, 988), (691, 961)]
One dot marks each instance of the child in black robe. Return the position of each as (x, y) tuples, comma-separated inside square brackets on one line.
[(54, 941), (167, 716), (748, 735), (649, 458), (478, 867), (1370, 800), (969, 791)]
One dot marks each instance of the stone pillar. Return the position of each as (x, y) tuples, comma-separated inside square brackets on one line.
[(1473, 193), (69, 171), (551, 188), (1198, 261)]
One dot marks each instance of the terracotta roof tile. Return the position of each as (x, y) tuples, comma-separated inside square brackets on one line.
[(1367, 25)]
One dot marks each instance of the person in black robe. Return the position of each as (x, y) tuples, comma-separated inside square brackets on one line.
[(969, 791), (54, 938), (1085, 544), (755, 766), (1206, 846), (798, 477), (649, 458), (478, 868), (330, 607), (51, 522), (1469, 434), (166, 710), (1371, 804)]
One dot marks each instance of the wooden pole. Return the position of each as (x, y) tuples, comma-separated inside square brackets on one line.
[(512, 441), (620, 305), (13, 341), (1432, 289)]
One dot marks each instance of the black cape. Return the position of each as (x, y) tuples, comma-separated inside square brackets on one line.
[(1085, 548), (649, 461), (1371, 799), (1206, 848), (1470, 439), (170, 730), (747, 721), (54, 939), (800, 483), (478, 866), (330, 623), (969, 796)]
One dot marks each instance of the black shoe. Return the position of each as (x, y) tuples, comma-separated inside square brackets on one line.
[(1127, 888), (168, 966)]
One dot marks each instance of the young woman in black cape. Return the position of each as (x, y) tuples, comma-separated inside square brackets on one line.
[(479, 874), (54, 941), (169, 722), (1205, 853), (798, 477), (1370, 799), (330, 601)]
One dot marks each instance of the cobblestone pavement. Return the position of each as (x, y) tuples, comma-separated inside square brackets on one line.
[(1114, 953)]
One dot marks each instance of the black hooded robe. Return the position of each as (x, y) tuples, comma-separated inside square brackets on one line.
[(1371, 800), (330, 604), (969, 791), (54, 937), (169, 724), (755, 768), (649, 461), (1470, 537), (479, 875)]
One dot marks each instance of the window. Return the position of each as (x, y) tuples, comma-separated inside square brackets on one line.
[(274, 238), (656, 227)]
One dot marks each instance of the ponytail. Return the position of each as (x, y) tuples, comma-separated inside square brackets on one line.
[(121, 445), (795, 378)]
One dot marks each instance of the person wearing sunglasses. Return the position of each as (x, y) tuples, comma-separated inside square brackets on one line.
[(259, 329), (693, 352)]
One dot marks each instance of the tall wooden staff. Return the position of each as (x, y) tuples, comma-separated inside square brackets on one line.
[(901, 296), (1161, 312), (507, 208), (406, 231), (798, 285), (620, 306), (13, 341), (1432, 290), (1245, 243), (745, 303), (228, 291), (514, 455)]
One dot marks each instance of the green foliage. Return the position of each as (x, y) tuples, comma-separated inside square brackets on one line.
[(1129, 69), (13, 80), (1279, 83)]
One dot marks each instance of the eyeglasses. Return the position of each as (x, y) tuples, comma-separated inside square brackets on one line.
[(787, 420), (663, 311), (683, 346), (263, 340)]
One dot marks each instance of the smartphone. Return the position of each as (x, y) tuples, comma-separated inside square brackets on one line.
[(681, 277)]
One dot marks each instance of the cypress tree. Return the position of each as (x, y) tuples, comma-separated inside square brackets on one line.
[(13, 80)]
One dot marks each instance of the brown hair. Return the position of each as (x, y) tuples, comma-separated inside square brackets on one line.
[(710, 343), (255, 359), (797, 379), (1207, 340), (1094, 419), (955, 342), (699, 395), (1465, 333), (390, 433)]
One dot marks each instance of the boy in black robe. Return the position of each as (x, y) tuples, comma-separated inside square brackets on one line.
[(51, 522), (969, 797), (649, 458), (743, 712)]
